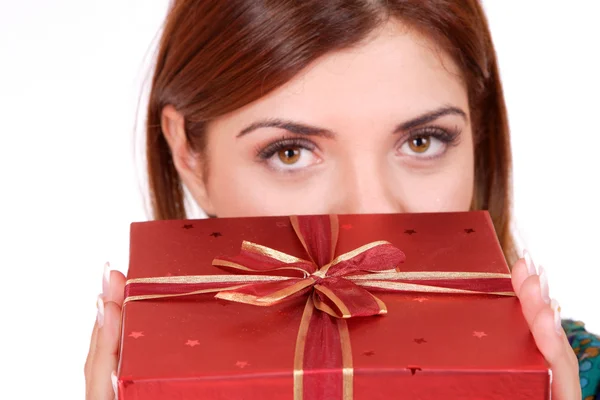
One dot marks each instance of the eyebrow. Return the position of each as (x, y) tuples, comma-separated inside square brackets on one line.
[(290, 126), (309, 130), (429, 117)]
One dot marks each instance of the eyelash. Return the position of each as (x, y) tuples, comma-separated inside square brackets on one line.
[(442, 134), (448, 137), (284, 143)]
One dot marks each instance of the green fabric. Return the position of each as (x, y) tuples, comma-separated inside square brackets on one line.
[(587, 348)]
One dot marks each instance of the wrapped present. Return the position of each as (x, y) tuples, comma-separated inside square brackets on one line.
[(403, 306)]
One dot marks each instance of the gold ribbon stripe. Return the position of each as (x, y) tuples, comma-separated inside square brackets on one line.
[(351, 254), (231, 264), (427, 275), (378, 281), (299, 353), (162, 296), (336, 300), (347, 366), (193, 279), (296, 226), (417, 288), (272, 253), (268, 300)]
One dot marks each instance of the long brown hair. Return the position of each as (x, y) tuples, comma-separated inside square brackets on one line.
[(217, 56)]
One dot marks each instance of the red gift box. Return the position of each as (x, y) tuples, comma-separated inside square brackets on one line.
[(440, 325)]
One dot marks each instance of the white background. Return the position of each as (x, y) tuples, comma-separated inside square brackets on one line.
[(71, 74)]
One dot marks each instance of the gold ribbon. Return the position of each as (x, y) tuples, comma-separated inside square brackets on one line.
[(385, 280)]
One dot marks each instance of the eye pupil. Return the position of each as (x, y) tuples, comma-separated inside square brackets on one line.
[(420, 144), (289, 155)]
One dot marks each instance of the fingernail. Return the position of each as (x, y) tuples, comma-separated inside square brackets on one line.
[(113, 379), (100, 316), (531, 270), (557, 321), (106, 279), (545, 290)]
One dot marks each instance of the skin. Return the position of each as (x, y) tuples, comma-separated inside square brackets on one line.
[(356, 117)]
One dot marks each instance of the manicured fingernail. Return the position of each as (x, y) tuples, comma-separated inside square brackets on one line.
[(113, 379), (100, 316), (545, 290), (106, 279), (531, 270), (557, 321)]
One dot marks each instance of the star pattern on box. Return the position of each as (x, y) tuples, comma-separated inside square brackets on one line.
[(469, 230), (192, 343), (410, 232), (347, 226), (188, 226), (420, 341), (242, 364), (216, 234), (136, 335), (479, 334), (127, 382), (413, 369)]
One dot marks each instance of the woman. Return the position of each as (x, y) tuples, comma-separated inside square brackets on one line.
[(338, 106)]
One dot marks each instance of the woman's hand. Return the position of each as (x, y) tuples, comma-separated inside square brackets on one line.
[(543, 316), (101, 363)]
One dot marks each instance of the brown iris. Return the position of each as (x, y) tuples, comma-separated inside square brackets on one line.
[(419, 144), (289, 155)]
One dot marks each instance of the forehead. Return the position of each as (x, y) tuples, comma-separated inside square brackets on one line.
[(395, 72)]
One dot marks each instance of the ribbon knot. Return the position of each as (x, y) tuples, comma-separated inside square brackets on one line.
[(319, 275), (322, 274)]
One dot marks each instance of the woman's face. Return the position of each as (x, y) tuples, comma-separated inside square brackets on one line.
[(381, 128)]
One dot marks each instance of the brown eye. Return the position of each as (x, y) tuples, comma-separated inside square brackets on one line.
[(289, 155), (419, 144)]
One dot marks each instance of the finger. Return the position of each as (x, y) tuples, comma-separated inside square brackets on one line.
[(554, 345), (531, 288), (105, 357), (106, 295), (113, 285), (530, 297), (522, 269), (518, 275), (92, 348), (116, 291)]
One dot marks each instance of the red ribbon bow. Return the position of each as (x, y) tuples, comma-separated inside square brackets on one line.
[(326, 276)]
